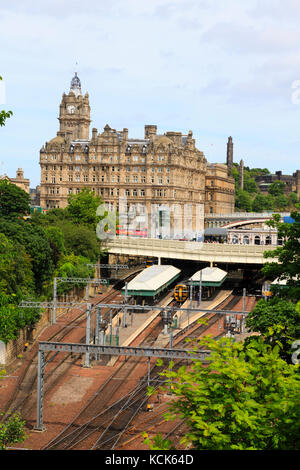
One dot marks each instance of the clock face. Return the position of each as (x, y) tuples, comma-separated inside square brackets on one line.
[(71, 109)]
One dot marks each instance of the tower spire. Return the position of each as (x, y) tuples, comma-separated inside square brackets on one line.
[(76, 85)]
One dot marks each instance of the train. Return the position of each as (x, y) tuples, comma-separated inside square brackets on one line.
[(213, 281), (181, 292)]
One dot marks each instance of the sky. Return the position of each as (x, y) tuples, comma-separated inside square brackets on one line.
[(217, 67)]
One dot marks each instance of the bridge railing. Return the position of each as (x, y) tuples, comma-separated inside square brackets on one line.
[(186, 246), (246, 215)]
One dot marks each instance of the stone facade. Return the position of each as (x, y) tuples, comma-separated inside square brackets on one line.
[(19, 180), (219, 189), (160, 169), (253, 236), (292, 182)]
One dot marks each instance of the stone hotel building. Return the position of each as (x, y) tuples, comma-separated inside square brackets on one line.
[(159, 170)]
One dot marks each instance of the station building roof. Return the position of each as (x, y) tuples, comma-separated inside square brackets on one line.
[(210, 277), (152, 280), (215, 231)]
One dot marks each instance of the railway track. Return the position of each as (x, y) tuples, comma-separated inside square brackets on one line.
[(98, 431), (24, 396), (105, 428), (193, 332), (88, 429)]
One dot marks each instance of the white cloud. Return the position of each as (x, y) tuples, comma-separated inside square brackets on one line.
[(219, 67)]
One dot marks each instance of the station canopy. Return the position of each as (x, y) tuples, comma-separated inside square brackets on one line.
[(151, 281), (215, 232), (210, 277)]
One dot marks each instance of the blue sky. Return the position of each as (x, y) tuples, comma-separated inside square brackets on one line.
[(216, 67)]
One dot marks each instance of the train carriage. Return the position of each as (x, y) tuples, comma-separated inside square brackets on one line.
[(211, 278)]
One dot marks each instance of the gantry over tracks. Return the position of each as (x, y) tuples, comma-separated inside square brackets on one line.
[(45, 346)]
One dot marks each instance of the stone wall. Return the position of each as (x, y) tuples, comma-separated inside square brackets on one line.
[(15, 348)]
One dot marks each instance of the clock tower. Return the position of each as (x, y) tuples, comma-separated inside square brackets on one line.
[(74, 113)]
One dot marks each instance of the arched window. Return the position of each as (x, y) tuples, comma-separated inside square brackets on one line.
[(235, 239), (257, 240), (268, 240), (246, 240)]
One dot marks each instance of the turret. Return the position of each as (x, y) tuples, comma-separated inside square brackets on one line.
[(74, 113)]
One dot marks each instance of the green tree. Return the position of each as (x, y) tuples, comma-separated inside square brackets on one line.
[(13, 318), (281, 202), (81, 240), (293, 199), (287, 263), (253, 172), (16, 276), (73, 266), (243, 200), (12, 431), (276, 188), (235, 175), (263, 203), (13, 200), (249, 183), (278, 321), (82, 208), (34, 240), (56, 240), (246, 398)]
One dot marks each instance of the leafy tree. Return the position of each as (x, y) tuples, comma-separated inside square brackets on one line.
[(293, 199), (16, 275), (287, 265), (281, 202), (34, 240), (276, 188), (56, 240), (253, 172), (235, 175), (263, 202), (49, 218), (249, 183), (278, 321), (73, 266), (12, 431), (82, 208), (13, 318), (246, 398), (243, 200), (158, 442), (13, 200), (81, 240)]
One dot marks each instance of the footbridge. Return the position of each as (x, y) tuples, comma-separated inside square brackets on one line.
[(240, 218), (185, 250)]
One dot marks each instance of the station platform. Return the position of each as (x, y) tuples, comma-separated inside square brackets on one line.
[(184, 321), (140, 321)]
